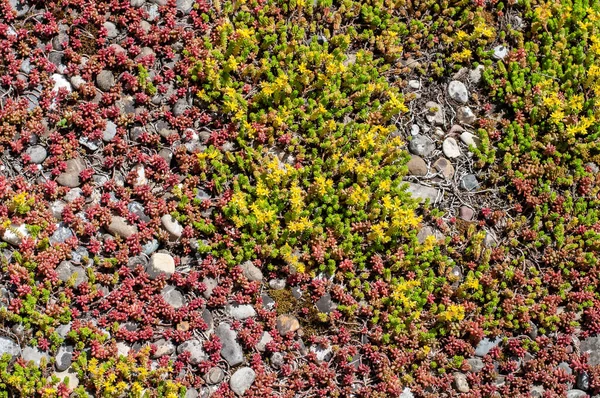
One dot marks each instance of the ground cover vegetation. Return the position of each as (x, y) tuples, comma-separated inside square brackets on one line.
[(299, 198)]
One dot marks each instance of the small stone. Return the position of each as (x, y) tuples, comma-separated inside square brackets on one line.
[(92, 145), (583, 381), (450, 148), (137, 3), (322, 354), (185, 6), (414, 84), (161, 264), (70, 177), (465, 115), (163, 347), (500, 52), (439, 132), (287, 323), (242, 380), (469, 182), (415, 129), (194, 347), (172, 296), (267, 302), (424, 233), (31, 354), (577, 394), (476, 364), (490, 240), (110, 131), (277, 284), (172, 226), (105, 80), (231, 350), (444, 166), (421, 145), (20, 7), (140, 179), (71, 376), (210, 284), (406, 393), (297, 292), (111, 30), (458, 91), (566, 367), (455, 129), (180, 107), (470, 139), (434, 113), (37, 154), (277, 360), (61, 234), (460, 382), (64, 357), (240, 311), (466, 213), (591, 346), (251, 272), (486, 345), (423, 192), (14, 234), (150, 247), (138, 209), (66, 270), (475, 74), (208, 319), (73, 194), (265, 339), (325, 304), (63, 330), (8, 346), (417, 166), (215, 375), (122, 349), (536, 391), (120, 227)]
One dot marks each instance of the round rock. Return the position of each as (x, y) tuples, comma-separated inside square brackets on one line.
[(105, 80), (160, 264), (444, 166), (450, 148), (172, 226), (458, 91), (417, 166), (421, 145), (287, 323), (37, 154), (242, 380)]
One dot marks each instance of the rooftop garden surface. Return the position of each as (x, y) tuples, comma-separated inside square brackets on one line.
[(299, 198)]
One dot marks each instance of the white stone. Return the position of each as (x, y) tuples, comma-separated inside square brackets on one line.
[(470, 139), (458, 91), (172, 226), (73, 382), (242, 380), (450, 148), (161, 264), (500, 52), (14, 234), (240, 311)]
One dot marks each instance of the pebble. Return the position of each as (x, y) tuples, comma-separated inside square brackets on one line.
[(406, 393), (475, 74), (456, 129), (120, 227), (536, 391), (277, 360), (265, 339), (231, 350), (500, 52), (287, 323), (138, 209), (325, 304), (69, 374), (137, 3), (583, 381), (251, 272), (172, 296), (486, 345), (444, 166), (150, 247), (591, 346), (160, 264), (267, 302), (122, 349), (466, 213), (180, 107), (421, 145), (240, 311), (20, 7), (92, 145), (185, 6), (469, 182), (277, 284), (163, 347), (64, 357), (208, 319), (460, 382), (14, 234), (111, 29), (417, 166), (414, 84), (215, 375), (577, 394), (470, 139), (458, 91), (172, 226), (37, 153), (194, 347), (141, 179), (450, 148), (70, 177), (60, 82), (242, 380), (465, 115), (423, 192), (32, 354), (323, 354), (105, 80), (8, 346), (415, 129), (66, 270), (434, 113), (476, 364), (110, 131), (210, 284)]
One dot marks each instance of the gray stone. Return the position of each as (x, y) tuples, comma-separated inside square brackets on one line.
[(210, 284), (475, 74), (69, 377), (322, 354), (92, 145), (8, 346), (536, 391), (122, 349), (476, 364), (172, 226), (20, 7), (450, 148), (25, 66), (193, 393), (406, 393), (137, 3), (265, 339), (242, 380), (111, 30), (66, 270), (63, 330), (110, 131), (417, 166), (458, 91), (583, 381), (577, 394), (37, 153), (469, 182), (134, 261), (240, 311), (194, 347), (73, 194), (591, 345), (460, 382), (466, 213), (215, 375), (443, 166), (500, 52), (34, 354), (421, 145), (566, 367), (64, 357), (160, 264), (14, 234), (138, 209), (150, 247), (163, 347), (325, 304), (60, 38), (208, 319), (180, 107), (434, 113), (70, 177), (277, 360), (185, 6), (486, 345), (470, 139), (61, 234), (120, 227), (231, 350), (490, 240), (105, 80), (251, 272), (414, 84), (415, 129), (465, 115), (61, 82), (277, 284), (267, 302), (80, 255), (173, 296), (423, 192)]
